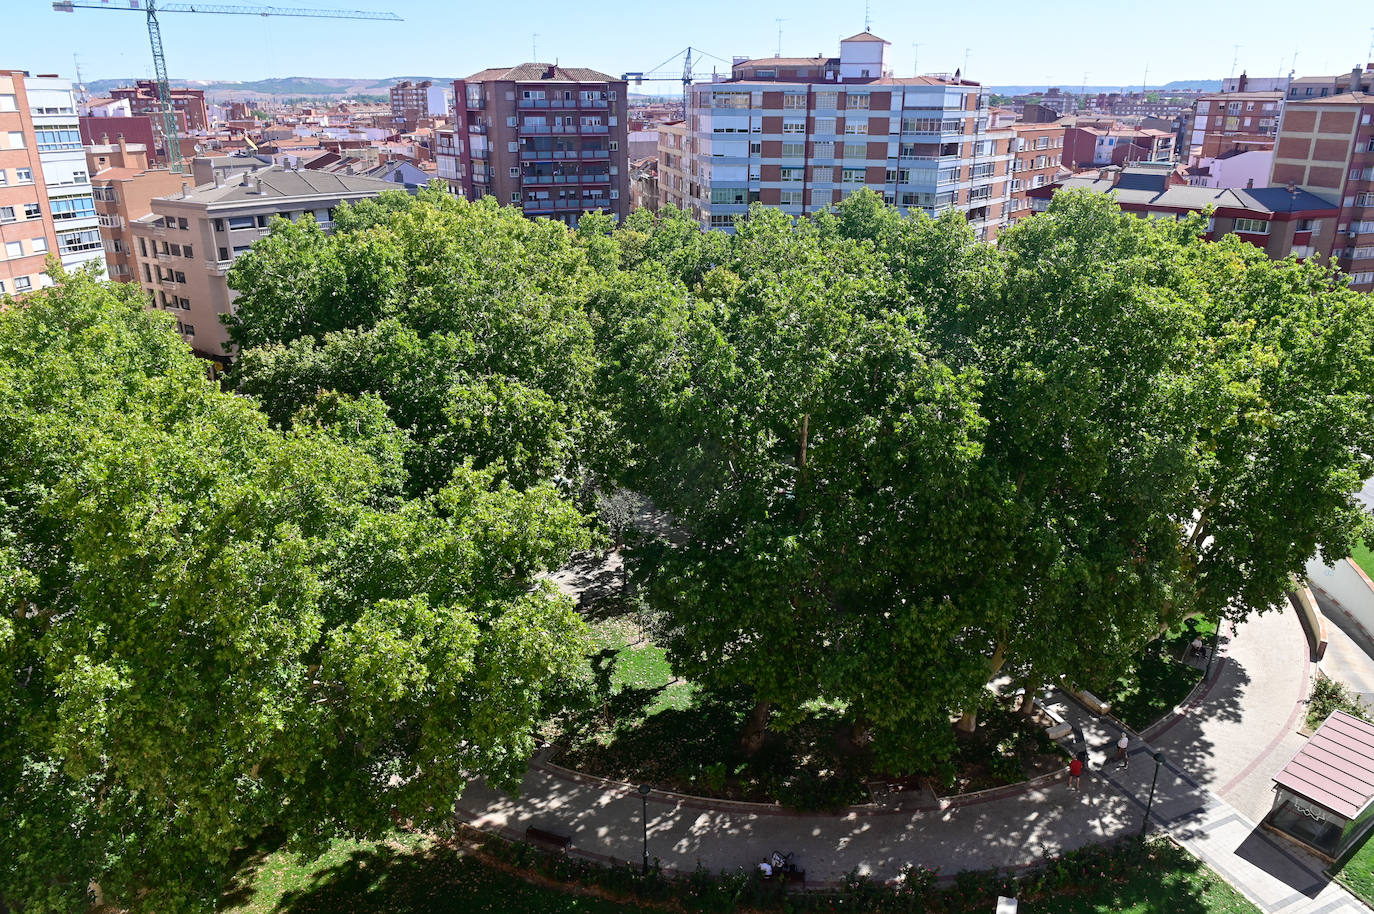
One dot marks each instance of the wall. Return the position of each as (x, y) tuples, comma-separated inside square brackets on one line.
[(1346, 586)]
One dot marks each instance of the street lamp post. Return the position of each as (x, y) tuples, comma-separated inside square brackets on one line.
[(1144, 826), (1216, 642), (644, 820)]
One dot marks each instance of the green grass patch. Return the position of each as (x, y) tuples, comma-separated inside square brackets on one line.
[(1168, 880), (402, 875), (1160, 680), (1364, 558), (1356, 871)]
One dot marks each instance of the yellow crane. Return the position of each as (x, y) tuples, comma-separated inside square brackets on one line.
[(152, 8)]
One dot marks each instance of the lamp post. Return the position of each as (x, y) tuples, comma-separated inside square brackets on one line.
[(1144, 826), (1216, 642), (644, 820)]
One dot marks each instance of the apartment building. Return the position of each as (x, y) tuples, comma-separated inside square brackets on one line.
[(1326, 146), (1115, 144), (1235, 121), (46, 207), (143, 99), (1037, 157), (1282, 221), (123, 186), (802, 133), (677, 185), (184, 247), (413, 101), (546, 138)]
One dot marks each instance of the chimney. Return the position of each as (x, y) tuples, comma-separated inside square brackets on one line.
[(104, 139), (1249, 183), (123, 147), (1240, 86), (549, 73), (1355, 74), (185, 190)]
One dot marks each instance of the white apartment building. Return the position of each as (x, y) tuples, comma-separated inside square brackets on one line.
[(802, 133)]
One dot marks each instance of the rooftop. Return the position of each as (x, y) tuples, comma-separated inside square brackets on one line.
[(277, 182), (864, 36), (1335, 769), (542, 72)]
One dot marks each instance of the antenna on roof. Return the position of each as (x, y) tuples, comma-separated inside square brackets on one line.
[(868, 18), (779, 22), (534, 47), (1235, 60)]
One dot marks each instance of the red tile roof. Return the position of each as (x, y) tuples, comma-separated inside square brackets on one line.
[(1335, 769)]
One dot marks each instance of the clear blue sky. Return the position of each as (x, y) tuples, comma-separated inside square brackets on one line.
[(1009, 42)]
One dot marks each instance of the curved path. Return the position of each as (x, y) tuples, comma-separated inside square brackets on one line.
[(1221, 751)]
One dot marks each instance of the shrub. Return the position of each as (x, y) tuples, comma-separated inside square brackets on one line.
[(1329, 695)]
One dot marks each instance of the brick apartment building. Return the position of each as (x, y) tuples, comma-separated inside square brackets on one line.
[(677, 184), (1235, 121), (123, 186), (142, 97), (547, 138), (46, 207), (1280, 221), (1112, 144), (184, 247), (1037, 151), (1326, 146), (802, 133), (414, 101)]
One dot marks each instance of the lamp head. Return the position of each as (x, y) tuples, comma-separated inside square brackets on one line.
[(644, 790)]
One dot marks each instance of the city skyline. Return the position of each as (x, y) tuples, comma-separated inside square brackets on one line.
[(1003, 43)]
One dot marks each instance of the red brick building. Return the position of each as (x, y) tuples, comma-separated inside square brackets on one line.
[(1038, 151), (142, 98)]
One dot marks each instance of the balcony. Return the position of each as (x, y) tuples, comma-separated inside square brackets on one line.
[(535, 129), (594, 128), (596, 154), (596, 179)]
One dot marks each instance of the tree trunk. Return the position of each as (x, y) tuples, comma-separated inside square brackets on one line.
[(756, 728), (968, 722), (860, 733), (1028, 700)]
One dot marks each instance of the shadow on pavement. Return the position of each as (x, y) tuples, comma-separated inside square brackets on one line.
[(1266, 853)]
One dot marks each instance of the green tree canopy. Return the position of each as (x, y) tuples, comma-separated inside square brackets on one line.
[(213, 627)]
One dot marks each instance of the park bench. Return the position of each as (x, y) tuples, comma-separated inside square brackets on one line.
[(794, 876), (547, 838), (1058, 728)]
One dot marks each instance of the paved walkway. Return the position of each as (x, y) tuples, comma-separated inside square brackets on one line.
[(1213, 786)]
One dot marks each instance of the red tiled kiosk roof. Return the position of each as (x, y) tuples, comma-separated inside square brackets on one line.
[(1335, 769)]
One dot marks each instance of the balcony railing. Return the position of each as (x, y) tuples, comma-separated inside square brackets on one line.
[(596, 153)]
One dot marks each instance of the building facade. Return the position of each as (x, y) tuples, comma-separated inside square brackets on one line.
[(123, 186), (1037, 156), (190, 103), (549, 139), (1240, 121), (802, 133), (1091, 146), (1326, 146), (413, 101), (1282, 221), (46, 208), (676, 185), (184, 247)]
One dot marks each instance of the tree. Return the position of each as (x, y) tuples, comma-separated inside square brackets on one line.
[(213, 627), (467, 320)]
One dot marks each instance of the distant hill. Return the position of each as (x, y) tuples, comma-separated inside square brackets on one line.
[(283, 87), (1178, 85)]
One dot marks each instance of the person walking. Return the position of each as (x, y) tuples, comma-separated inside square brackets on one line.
[(1075, 772), (1121, 754)]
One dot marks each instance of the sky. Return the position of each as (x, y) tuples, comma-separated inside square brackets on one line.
[(1004, 42)]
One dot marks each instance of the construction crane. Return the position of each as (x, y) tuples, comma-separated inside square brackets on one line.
[(639, 77), (164, 90)]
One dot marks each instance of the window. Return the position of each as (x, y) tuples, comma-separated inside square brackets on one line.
[(4, 177), (143, 247), (799, 126), (173, 249), (75, 242), (1365, 252), (856, 101), (513, 146), (792, 174), (722, 221), (1256, 226), (6, 214), (23, 175), (57, 138), (794, 101), (856, 128), (16, 141), (1365, 199), (791, 198), (730, 100), (14, 249), (852, 176), (613, 145), (515, 196), (22, 283), (514, 172), (241, 222), (7, 103), (188, 330), (32, 211), (792, 150), (611, 95), (824, 150), (827, 99), (855, 151), (728, 195), (825, 126), (755, 148), (1358, 279), (223, 253), (40, 245), (180, 276), (1363, 228)]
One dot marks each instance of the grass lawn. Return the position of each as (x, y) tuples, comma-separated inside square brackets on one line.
[(1161, 681), (1356, 871), (1171, 882), (405, 875), (1364, 558)]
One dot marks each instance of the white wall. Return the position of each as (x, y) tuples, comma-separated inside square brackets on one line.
[(1238, 171), (1344, 584)]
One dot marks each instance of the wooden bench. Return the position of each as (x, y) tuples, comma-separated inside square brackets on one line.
[(794, 876), (547, 838)]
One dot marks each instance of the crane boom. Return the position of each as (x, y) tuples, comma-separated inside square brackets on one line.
[(67, 6), (170, 135)]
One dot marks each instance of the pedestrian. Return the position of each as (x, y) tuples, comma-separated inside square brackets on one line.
[(1121, 746), (1075, 772)]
